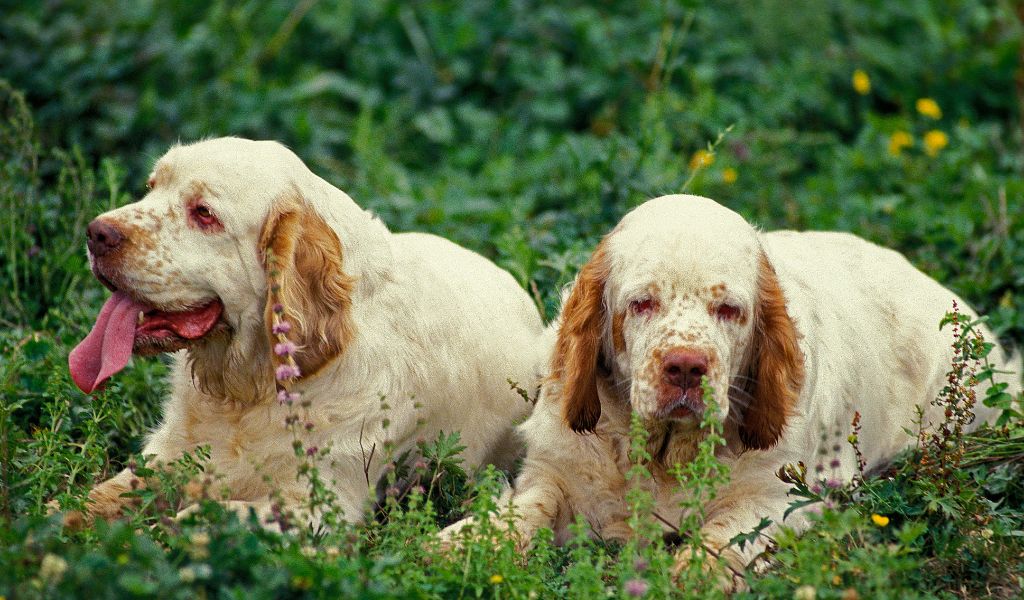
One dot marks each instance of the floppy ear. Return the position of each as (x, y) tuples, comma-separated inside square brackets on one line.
[(303, 261), (578, 348), (777, 369)]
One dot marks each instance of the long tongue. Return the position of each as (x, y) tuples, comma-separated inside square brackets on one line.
[(108, 347)]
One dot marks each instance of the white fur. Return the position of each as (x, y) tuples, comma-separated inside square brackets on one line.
[(868, 326), (436, 327)]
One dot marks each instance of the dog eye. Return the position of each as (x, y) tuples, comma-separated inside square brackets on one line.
[(642, 306), (203, 217), (728, 312)]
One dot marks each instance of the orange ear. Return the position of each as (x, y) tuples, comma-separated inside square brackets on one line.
[(315, 294), (778, 365), (578, 348)]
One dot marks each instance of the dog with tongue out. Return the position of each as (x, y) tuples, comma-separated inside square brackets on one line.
[(254, 272)]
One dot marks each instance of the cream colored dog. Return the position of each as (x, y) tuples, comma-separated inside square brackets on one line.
[(794, 333), (430, 328)]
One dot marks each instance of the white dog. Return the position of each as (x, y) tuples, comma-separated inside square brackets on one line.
[(794, 333), (237, 236)]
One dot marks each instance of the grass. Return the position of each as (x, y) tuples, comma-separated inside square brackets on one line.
[(519, 130)]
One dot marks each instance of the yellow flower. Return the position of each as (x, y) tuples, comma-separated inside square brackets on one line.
[(496, 579), (729, 175), (934, 141), (1006, 301), (898, 141), (861, 82), (701, 158), (880, 520), (929, 108)]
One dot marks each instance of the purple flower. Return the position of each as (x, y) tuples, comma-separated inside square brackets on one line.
[(312, 450), (287, 372), (834, 484), (636, 587), (284, 349), (286, 397), (835, 463), (278, 308), (282, 327), (640, 564)]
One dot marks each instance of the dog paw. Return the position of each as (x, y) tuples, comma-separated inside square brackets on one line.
[(724, 566)]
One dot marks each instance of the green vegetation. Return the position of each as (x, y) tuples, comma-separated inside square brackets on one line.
[(522, 130)]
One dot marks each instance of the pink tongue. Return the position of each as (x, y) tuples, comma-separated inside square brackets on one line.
[(108, 347)]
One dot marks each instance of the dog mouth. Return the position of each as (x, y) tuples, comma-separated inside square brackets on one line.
[(126, 325), (689, 404)]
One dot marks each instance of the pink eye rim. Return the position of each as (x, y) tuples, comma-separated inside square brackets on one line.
[(203, 217), (728, 312), (642, 306)]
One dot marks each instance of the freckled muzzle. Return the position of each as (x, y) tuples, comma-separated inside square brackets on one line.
[(127, 323), (679, 373)]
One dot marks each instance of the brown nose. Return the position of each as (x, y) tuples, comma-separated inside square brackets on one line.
[(103, 237), (684, 368)]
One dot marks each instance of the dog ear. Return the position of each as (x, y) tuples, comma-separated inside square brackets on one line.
[(578, 348), (303, 262), (777, 368)]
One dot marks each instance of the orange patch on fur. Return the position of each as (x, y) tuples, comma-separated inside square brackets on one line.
[(578, 348), (314, 290), (778, 365), (618, 337)]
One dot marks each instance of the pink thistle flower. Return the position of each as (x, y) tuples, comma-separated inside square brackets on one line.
[(278, 308), (312, 450), (636, 587), (287, 372), (282, 327), (286, 397), (284, 349)]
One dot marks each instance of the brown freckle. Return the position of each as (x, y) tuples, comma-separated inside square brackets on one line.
[(162, 175), (618, 338), (196, 190), (137, 237), (718, 290)]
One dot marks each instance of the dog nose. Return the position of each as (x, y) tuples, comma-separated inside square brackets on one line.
[(684, 368), (103, 237)]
